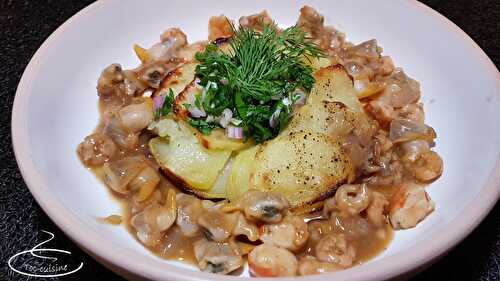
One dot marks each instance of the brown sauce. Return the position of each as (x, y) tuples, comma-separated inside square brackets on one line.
[(173, 245), (368, 240)]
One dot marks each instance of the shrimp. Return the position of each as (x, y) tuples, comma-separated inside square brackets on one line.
[(386, 66), (329, 207), (381, 110), (376, 210), (256, 21), (335, 248), (429, 167), (271, 261), (263, 206), (319, 228), (423, 163), (174, 38), (412, 150), (292, 233), (352, 198), (219, 27), (309, 265), (409, 206), (413, 112)]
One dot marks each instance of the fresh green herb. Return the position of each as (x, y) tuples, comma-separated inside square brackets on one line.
[(202, 125), (167, 106), (197, 101), (260, 72)]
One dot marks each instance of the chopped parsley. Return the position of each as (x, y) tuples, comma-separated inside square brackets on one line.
[(167, 105), (202, 125), (257, 80)]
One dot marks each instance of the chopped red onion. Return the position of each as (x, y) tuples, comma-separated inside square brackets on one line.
[(197, 83), (224, 81), (286, 101), (302, 98), (158, 102), (196, 112), (273, 121), (234, 132), (226, 116)]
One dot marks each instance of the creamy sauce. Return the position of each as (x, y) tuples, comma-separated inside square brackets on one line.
[(368, 240)]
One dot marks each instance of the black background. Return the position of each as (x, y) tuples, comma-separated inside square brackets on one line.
[(24, 25)]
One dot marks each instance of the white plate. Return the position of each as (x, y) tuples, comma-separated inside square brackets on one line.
[(56, 107)]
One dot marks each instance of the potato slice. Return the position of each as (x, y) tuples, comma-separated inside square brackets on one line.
[(241, 172), (178, 79), (333, 83), (317, 63), (218, 190), (184, 160), (330, 118), (306, 162), (188, 52), (304, 167), (218, 140), (186, 96)]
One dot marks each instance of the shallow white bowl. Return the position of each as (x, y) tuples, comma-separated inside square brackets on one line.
[(56, 107)]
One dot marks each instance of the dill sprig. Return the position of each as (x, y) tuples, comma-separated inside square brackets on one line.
[(257, 77)]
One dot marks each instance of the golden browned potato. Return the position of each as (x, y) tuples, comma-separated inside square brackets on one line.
[(178, 79), (325, 117), (317, 63), (334, 84), (218, 140), (186, 96), (302, 166), (306, 162)]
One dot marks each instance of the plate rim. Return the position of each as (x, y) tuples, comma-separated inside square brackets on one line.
[(417, 256)]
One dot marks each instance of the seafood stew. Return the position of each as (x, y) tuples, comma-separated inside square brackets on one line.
[(292, 149)]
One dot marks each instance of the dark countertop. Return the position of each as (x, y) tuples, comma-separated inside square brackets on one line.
[(24, 25)]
